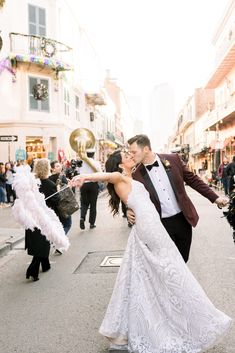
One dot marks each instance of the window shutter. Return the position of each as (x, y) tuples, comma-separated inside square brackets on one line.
[(32, 20), (33, 104), (42, 21), (37, 21)]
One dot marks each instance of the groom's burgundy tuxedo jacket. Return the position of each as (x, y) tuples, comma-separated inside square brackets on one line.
[(178, 173)]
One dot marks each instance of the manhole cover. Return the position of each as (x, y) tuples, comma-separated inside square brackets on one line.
[(111, 261), (100, 262)]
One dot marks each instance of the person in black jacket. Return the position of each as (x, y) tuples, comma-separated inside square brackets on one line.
[(35, 242), (231, 175), (57, 176), (2, 186)]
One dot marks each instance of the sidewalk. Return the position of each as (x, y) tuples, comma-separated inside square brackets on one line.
[(11, 232)]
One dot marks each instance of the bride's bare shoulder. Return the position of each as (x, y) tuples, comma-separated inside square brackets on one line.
[(123, 188)]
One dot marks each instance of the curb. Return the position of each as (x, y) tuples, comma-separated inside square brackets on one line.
[(4, 249), (10, 244)]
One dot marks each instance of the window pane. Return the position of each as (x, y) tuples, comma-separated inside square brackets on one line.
[(32, 30), (33, 103), (32, 82), (32, 14), (45, 82), (42, 31), (42, 17), (45, 105)]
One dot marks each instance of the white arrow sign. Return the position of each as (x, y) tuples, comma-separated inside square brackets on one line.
[(10, 138)]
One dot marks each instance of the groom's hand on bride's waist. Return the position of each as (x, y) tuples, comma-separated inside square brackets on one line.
[(130, 216)]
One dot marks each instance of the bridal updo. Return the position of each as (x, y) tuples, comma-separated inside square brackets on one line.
[(112, 165)]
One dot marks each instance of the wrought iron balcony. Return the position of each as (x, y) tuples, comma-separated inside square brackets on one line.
[(40, 51)]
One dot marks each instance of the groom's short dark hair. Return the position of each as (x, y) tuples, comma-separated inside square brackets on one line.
[(141, 140)]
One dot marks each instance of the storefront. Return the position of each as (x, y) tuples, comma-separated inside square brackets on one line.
[(35, 148)]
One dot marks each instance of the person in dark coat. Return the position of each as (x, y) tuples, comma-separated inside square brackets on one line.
[(35, 242), (231, 175), (56, 170), (222, 174)]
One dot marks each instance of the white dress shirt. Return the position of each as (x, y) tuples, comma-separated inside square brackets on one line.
[(162, 185), (86, 169)]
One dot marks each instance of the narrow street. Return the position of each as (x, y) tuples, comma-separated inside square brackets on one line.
[(61, 313)]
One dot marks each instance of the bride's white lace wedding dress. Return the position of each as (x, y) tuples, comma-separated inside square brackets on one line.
[(157, 306)]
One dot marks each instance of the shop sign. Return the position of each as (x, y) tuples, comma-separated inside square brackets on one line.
[(20, 154), (51, 156)]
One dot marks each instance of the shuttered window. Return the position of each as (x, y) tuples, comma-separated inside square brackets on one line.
[(77, 108), (66, 101), (37, 21)]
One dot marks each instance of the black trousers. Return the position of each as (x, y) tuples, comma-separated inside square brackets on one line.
[(10, 192), (33, 268), (180, 232), (89, 194)]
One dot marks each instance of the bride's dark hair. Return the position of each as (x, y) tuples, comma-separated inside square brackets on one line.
[(112, 165)]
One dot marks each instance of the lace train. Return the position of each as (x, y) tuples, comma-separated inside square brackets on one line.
[(157, 306)]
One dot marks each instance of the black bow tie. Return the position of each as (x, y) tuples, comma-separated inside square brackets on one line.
[(150, 166)]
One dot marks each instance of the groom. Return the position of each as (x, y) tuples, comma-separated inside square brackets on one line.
[(164, 175)]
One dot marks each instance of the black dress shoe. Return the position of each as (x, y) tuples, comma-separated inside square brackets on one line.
[(92, 226), (82, 224)]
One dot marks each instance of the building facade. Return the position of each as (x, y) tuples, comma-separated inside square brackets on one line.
[(207, 120), (44, 88)]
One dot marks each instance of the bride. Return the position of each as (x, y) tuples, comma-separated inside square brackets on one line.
[(157, 306)]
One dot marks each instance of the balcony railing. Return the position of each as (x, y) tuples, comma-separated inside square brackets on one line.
[(40, 50)]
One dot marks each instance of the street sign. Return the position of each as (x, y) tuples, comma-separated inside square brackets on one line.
[(8, 138)]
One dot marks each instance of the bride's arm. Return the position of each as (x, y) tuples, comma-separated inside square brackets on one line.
[(112, 178)]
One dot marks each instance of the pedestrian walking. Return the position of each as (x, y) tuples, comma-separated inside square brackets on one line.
[(35, 242), (89, 191), (222, 174), (9, 172), (2, 186), (59, 178), (230, 170)]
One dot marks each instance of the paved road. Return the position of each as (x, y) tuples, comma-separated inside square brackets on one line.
[(61, 313)]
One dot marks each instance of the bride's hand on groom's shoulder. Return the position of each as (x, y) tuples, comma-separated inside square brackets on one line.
[(130, 216)]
